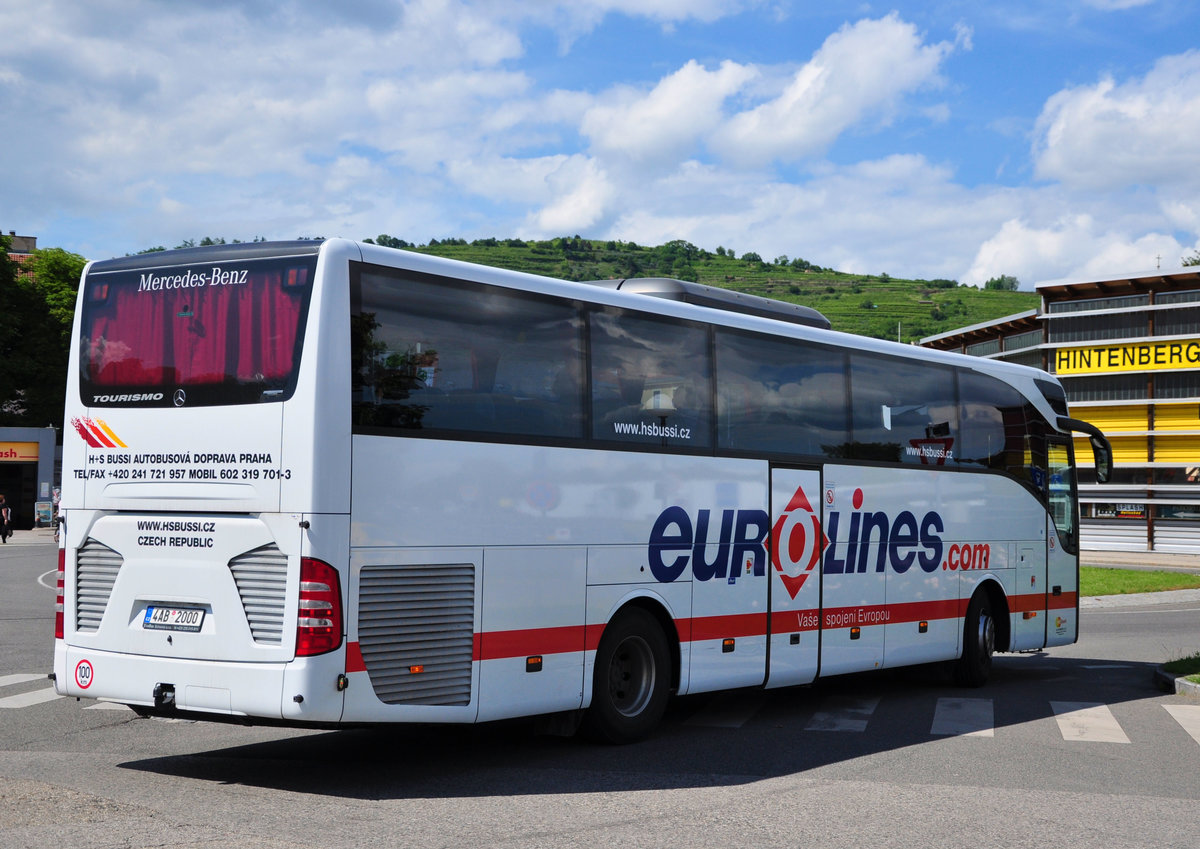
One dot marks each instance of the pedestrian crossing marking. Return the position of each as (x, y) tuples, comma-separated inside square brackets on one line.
[(24, 700), (6, 680), (843, 713), (1087, 722), (1188, 716), (963, 718)]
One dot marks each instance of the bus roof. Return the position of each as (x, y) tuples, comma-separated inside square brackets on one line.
[(207, 253), (722, 299)]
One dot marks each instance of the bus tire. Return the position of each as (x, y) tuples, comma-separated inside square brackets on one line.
[(630, 680), (979, 641)]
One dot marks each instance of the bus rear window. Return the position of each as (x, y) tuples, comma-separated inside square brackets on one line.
[(196, 335)]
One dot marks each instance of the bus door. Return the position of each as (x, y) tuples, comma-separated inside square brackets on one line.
[(1029, 600), (1062, 545), (796, 547), (853, 599)]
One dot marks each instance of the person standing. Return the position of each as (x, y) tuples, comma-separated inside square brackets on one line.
[(5, 520)]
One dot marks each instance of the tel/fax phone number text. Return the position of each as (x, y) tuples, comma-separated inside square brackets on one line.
[(190, 467)]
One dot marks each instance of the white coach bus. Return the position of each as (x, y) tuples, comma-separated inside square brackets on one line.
[(335, 483)]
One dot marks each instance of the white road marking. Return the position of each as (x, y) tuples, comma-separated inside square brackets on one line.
[(1087, 722), (1188, 716), (24, 700), (842, 713), (964, 718), (19, 678)]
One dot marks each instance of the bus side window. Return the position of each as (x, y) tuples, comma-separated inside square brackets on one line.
[(903, 412), (442, 355), (996, 421), (1060, 493), (780, 396), (651, 381)]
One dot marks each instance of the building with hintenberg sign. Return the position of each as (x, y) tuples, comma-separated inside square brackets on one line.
[(1127, 350)]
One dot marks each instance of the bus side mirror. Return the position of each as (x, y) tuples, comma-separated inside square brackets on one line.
[(1102, 451)]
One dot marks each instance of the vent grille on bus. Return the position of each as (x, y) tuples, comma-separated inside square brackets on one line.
[(96, 568), (261, 578), (416, 630)]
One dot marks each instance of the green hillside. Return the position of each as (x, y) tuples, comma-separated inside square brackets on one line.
[(871, 305)]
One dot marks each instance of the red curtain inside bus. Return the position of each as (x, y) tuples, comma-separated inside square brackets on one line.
[(215, 334)]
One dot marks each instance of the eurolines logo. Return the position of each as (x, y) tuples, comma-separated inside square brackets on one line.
[(677, 542), (799, 541), (796, 542), (96, 433)]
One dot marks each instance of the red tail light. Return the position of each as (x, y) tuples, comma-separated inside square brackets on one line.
[(59, 603), (319, 617)]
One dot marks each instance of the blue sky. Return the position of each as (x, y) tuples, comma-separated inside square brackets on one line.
[(1044, 139)]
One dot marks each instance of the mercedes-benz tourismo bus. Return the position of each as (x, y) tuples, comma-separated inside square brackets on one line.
[(335, 483)]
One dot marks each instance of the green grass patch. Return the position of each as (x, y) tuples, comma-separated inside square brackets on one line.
[(1095, 580), (1188, 667)]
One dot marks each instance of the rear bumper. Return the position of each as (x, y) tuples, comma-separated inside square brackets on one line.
[(303, 690)]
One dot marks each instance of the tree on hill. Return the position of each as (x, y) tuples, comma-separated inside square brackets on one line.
[(1005, 282), (384, 240)]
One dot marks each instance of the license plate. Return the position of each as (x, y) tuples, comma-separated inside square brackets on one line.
[(173, 618)]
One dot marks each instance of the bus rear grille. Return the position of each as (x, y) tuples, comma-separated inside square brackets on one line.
[(261, 578), (96, 568), (416, 630)]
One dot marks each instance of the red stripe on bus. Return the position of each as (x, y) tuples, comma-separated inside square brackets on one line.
[(1066, 601), (721, 627), (354, 659), (791, 621), (1038, 602), (526, 642), (493, 645)]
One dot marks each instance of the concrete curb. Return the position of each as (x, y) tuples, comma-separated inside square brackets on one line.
[(1136, 599), (1168, 683)]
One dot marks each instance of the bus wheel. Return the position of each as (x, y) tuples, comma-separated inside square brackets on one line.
[(629, 686), (979, 641)]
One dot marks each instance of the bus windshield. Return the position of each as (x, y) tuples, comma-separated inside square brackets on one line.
[(199, 335)]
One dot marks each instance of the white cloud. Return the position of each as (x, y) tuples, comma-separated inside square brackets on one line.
[(1073, 247), (858, 76), (1109, 135), (582, 195), (347, 172), (665, 123), (505, 179)]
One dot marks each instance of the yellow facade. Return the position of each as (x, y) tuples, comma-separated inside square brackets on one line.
[(1177, 417), (1126, 449), (1113, 419), (1184, 450)]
